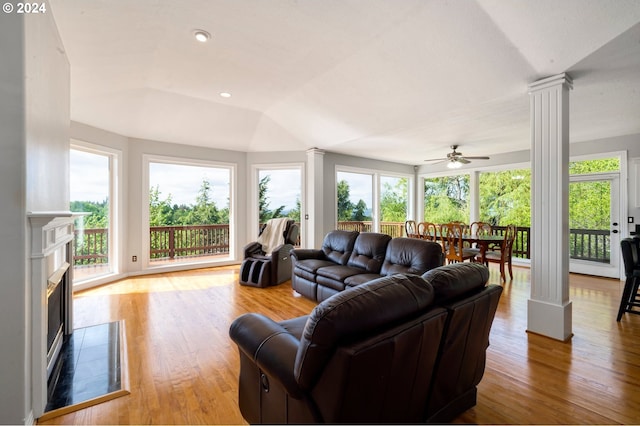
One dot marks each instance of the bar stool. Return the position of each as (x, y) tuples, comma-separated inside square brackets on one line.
[(630, 298)]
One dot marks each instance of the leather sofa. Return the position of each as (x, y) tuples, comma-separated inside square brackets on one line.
[(349, 258), (398, 349)]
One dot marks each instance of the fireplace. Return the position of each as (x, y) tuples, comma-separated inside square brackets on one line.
[(51, 251)]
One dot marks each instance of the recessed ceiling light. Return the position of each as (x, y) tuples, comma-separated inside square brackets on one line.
[(225, 94), (201, 35)]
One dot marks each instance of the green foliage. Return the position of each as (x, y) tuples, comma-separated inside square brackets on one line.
[(594, 166), (99, 213), (446, 199), (345, 206), (393, 201), (263, 202), (505, 197)]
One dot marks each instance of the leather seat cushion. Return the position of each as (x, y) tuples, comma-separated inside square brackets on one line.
[(312, 265), (359, 279), (338, 272)]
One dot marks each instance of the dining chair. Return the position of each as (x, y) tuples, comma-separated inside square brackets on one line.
[(631, 257), (504, 255), (428, 231), (455, 251), (411, 229), (481, 228)]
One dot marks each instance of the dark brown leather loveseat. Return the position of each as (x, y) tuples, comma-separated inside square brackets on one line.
[(349, 258), (399, 349)]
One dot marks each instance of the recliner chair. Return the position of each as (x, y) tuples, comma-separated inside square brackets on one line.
[(260, 269)]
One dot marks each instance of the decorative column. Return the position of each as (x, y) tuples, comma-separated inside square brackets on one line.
[(314, 198), (549, 308)]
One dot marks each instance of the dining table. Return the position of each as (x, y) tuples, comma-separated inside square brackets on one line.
[(483, 242)]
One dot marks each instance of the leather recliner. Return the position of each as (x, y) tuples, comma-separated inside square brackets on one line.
[(260, 269), (399, 349)]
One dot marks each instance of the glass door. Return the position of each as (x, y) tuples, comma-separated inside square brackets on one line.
[(594, 225)]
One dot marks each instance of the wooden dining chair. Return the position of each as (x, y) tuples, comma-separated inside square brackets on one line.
[(504, 255), (428, 231), (455, 251), (411, 229), (477, 229)]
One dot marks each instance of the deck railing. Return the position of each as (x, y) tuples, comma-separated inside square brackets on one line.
[(171, 242)]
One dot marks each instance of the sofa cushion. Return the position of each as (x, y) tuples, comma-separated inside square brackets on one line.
[(338, 272), (354, 313), (452, 281), (359, 279), (368, 251), (411, 256), (338, 245), (312, 265)]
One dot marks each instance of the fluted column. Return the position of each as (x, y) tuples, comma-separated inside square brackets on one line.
[(549, 308)]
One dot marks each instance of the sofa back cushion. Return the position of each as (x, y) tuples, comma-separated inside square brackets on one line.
[(457, 279), (369, 251), (338, 245), (354, 314), (411, 256)]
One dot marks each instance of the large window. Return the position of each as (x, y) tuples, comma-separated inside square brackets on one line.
[(369, 202), (279, 193), (446, 199), (92, 193), (189, 212), (505, 197)]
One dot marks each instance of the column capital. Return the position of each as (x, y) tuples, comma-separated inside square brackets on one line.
[(563, 79), (316, 151)]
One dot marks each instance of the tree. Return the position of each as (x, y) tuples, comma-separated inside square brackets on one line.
[(205, 211), (263, 201), (160, 211), (445, 199), (359, 212), (345, 206), (393, 201)]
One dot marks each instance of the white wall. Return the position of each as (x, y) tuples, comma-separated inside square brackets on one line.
[(34, 118)]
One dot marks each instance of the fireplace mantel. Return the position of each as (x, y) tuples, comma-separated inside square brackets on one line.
[(51, 236)]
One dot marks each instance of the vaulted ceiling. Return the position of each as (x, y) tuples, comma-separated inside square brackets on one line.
[(398, 80)]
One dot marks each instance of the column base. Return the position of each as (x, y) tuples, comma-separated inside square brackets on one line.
[(550, 320)]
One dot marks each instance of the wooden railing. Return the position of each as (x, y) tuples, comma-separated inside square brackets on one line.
[(171, 242)]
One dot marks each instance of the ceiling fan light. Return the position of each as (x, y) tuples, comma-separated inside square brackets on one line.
[(454, 164)]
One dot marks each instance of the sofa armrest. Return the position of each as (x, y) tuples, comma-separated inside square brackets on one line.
[(282, 252), (303, 254), (270, 346)]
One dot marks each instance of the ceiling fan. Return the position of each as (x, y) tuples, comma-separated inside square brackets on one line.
[(456, 159)]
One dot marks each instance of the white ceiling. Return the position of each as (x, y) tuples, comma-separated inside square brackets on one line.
[(398, 80)]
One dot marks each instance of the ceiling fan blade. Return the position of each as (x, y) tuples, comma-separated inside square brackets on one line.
[(437, 160), (463, 160), (476, 158)]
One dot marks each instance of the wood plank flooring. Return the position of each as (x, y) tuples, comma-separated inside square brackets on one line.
[(184, 368)]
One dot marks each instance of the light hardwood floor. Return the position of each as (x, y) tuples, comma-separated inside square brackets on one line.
[(184, 368)]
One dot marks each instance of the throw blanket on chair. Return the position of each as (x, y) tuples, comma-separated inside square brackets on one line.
[(273, 234)]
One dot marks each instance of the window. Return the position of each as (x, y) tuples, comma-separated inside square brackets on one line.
[(372, 202), (505, 197), (355, 201), (92, 192), (394, 204), (279, 193), (446, 199), (189, 212)]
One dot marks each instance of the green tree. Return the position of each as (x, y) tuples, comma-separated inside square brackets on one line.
[(359, 212), (160, 211), (393, 201), (263, 201), (505, 197), (446, 199), (345, 206)]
